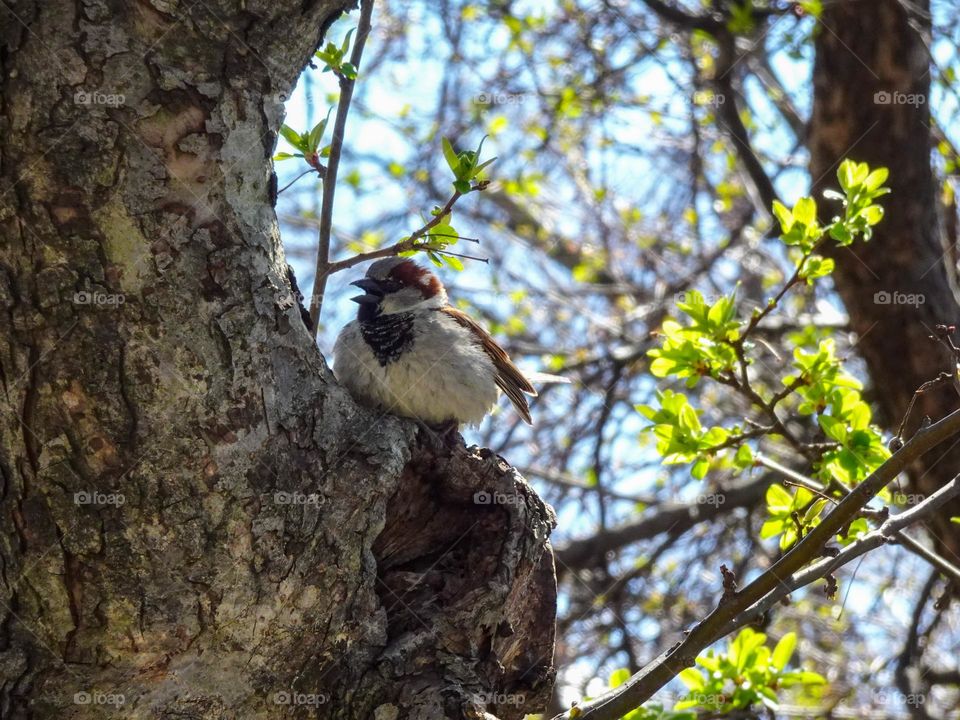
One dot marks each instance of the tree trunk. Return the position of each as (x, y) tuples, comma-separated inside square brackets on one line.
[(871, 87), (196, 521)]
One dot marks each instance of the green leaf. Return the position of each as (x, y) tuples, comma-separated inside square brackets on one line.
[(313, 140), (479, 168), (834, 428), (875, 179), (778, 499), (292, 137), (346, 42), (839, 232), (453, 262), (699, 469), (784, 215), (692, 678), (805, 211), (872, 214), (450, 155), (846, 174), (688, 419), (784, 650), (618, 677)]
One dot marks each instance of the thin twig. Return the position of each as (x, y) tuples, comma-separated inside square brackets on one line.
[(333, 164), (405, 245), (305, 172)]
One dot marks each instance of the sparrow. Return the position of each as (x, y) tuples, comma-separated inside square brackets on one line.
[(411, 353)]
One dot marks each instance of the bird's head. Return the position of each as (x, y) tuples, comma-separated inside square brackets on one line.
[(397, 285)]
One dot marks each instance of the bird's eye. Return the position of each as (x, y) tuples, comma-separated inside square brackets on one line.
[(391, 285)]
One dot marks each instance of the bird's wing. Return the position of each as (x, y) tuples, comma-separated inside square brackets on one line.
[(508, 376)]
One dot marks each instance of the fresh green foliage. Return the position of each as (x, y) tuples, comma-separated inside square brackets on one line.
[(712, 341), (748, 674), (702, 347), (435, 237), (334, 56), (465, 165), (308, 143)]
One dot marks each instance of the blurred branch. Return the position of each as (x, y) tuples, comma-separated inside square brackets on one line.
[(728, 116), (685, 20), (658, 519)]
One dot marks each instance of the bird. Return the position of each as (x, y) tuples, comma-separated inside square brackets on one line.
[(410, 353)]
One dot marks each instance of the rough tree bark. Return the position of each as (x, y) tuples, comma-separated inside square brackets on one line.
[(871, 87), (196, 521)]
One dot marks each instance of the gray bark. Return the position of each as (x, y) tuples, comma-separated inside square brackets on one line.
[(196, 521)]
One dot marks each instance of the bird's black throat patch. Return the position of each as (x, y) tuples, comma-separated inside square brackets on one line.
[(388, 335)]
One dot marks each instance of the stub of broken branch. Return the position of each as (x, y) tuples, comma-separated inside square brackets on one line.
[(466, 576)]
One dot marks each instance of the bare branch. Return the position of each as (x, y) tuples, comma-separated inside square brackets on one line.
[(333, 164)]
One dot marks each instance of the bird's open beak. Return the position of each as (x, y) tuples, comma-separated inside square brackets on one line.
[(373, 293)]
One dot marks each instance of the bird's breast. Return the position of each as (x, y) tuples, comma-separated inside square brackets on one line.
[(388, 336)]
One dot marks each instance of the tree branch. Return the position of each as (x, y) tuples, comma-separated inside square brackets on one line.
[(641, 687), (677, 517), (333, 164), (889, 532)]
